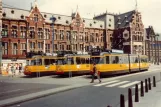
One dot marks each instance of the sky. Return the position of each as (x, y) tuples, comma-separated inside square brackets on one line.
[(150, 9)]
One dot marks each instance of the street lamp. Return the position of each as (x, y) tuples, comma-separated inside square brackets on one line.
[(157, 35), (53, 20)]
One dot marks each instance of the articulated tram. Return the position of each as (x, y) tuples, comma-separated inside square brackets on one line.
[(106, 64), (75, 64), (120, 63), (40, 64)]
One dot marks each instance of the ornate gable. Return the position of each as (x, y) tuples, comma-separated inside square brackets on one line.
[(77, 22), (35, 15)]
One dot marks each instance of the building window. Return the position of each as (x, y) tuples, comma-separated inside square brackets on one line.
[(23, 48), (14, 31), (35, 17), (97, 37), (12, 11), (22, 16), (101, 39), (109, 25), (40, 45), (4, 14), (47, 48), (55, 47), (68, 47), (23, 32), (47, 34), (68, 35), (92, 37), (4, 30), (40, 33), (14, 49), (32, 45), (61, 35), (4, 48), (32, 32)]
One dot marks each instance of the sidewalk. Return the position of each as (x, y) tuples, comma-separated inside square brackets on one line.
[(150, 99)]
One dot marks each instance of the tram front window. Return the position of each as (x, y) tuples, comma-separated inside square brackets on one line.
[(36, 62), (61, 62), (97, 60)]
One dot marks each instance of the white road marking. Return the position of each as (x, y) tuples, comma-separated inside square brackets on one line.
[(129, 84), (139, 86), (11, 91), (112, 85), (106, 83)]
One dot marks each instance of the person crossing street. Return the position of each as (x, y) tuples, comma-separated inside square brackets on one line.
[(95, 73)]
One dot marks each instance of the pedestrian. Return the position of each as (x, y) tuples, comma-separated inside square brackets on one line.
[(12, 70), (95, 73), (20, 69)]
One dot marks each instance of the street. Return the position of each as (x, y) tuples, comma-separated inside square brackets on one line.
[(93, 95)]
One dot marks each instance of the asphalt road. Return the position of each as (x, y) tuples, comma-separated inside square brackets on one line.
[(10, 90), (94, 95)]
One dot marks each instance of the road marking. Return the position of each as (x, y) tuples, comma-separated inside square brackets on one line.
[(112, 85), (139, 86), (11, 91), (127, 85), (107, 83)]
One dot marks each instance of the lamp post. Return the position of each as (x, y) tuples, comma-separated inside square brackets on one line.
[(53, 20), (157, 35)]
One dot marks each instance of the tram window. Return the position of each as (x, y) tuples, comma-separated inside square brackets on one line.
[(39, 62), (115, 59), (136, 60), (46, 62), (107, 60), (82, 60), (70, 61), (52, 61), (78, 60), (87, 60), (33, 62)]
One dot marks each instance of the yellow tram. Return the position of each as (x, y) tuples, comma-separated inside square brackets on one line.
[(75, 64), (40, 64), (112, 63)]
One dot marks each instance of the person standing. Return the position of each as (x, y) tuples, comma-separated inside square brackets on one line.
[(20, 69), (12, 70), (95, 73)]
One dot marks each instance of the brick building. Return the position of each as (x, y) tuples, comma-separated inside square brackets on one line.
[(31, 30), (153, 45)]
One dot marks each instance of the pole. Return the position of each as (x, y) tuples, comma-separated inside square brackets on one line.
[(155, 49), (53, 20), (158, 49)]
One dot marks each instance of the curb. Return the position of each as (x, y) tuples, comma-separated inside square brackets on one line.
[(20, 99)]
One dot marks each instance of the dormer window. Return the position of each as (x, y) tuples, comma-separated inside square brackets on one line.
[(4, 14), (67, 22), (45, 15), (22, 16), (59, 17), (12, 11)]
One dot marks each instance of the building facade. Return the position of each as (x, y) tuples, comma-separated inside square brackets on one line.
[(153, 45), (25, 31)]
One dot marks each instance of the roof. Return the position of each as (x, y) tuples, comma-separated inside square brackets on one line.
[(60, 19), (122, 20)]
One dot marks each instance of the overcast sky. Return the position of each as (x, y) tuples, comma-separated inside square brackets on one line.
[(150, 9)]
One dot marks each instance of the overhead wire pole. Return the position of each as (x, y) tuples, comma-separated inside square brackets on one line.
[(53, 20)]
